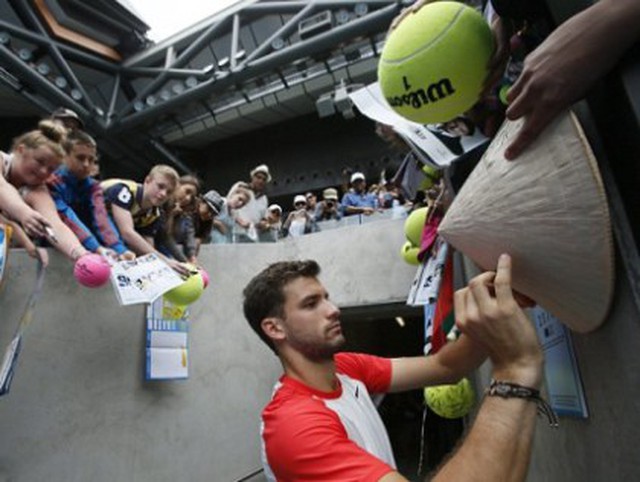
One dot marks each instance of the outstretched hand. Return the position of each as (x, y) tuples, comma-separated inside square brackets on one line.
[(567, 64)]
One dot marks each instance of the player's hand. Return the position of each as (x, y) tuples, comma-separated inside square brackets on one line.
[(487, 312)]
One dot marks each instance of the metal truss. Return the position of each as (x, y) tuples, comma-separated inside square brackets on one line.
[(234, 57)]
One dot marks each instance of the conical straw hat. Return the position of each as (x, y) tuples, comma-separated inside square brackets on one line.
[(548, 210)]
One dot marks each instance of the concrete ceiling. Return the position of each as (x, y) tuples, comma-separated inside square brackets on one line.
[(257, 63)]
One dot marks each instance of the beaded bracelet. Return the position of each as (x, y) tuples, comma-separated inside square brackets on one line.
[(499, 388)]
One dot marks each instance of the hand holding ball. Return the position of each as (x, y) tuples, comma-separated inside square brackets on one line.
[(187, 292), (92, 270), (434, 63)]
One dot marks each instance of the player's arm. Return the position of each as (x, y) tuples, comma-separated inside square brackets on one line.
[(451, 363)]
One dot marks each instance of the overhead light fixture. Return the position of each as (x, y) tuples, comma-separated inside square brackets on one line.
[(25, 54), (361, 9), (277, 43), (177, 88), (342, 16), (43, 69), (191, 81), (61, 82)]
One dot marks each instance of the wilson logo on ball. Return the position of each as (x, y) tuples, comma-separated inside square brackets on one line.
[(417, 98)]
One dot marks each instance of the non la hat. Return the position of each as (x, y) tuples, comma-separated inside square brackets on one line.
[(261, 168), (330, 194), (357, 176), (548, 210), (299, 199)]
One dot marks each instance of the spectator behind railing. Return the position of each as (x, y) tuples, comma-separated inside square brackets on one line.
[(299, 221), (274, 224), (329, 208), (312, 202), (357, 200), (136, 209), (224, 225), (209, 206), (251, 218), (79, 198), (177, 237), (24, 197)]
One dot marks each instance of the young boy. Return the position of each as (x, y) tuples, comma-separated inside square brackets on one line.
[(136, 209), (80, 201)]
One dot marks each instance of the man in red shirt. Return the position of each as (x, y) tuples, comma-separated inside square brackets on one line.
[(321, 424)]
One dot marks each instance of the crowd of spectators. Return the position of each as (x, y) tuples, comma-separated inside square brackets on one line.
[(52, 195)]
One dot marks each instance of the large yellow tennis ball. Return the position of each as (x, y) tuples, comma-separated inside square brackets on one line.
[(434, 63), (450, 401), (187, 292), (414, 225)]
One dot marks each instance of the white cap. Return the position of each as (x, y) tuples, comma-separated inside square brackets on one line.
[(357, 176), (263, 168), (275, 207), (299, 199)]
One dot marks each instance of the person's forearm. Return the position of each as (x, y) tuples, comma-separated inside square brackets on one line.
[(454, 361), (498, 446), (613, 25), (11, 202), (137, 243)]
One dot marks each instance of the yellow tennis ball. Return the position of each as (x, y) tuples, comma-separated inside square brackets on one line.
[(450, 401), (188, 292), (409, 253), (434, 63), (414, 225)]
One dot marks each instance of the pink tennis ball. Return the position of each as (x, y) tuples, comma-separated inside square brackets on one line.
[(205, 277), (92, 270)]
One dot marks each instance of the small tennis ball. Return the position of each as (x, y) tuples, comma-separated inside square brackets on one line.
[(92, 270), (434, 63), (409, 253), (187, 292), (414, 225), (205, 277), (450, 401), (432, 177)]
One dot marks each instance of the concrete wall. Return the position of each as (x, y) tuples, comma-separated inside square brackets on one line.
[(79, 409)]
